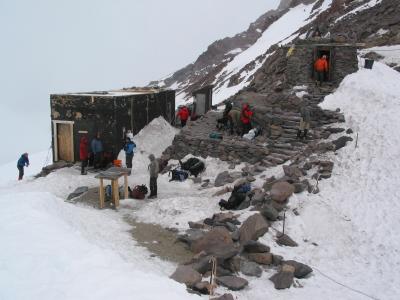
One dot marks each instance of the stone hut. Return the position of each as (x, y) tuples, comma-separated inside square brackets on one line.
[(110, 113), (342, 59)]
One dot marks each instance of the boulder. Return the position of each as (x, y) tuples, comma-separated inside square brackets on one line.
[(254, 227), (300, 187), (190, 236), (261, 258), (341, 142), (203, 287), (283, 279), (217, 241), (281, 191), (222, 179), (292, 171), (186, 275), (223, 217), (300, 270), (224, 297), (79, 191), (233, 283), (269, 212), (250, 268), (285, 240), (255, 247)]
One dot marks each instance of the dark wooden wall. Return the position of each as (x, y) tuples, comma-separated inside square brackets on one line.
[(111, 116)]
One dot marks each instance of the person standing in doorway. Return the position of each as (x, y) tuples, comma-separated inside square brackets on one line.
[(153, 170), (97, 150), (321, 68), (245, 118), (84, 153), (22, 162), (183, 114), (129, 149)]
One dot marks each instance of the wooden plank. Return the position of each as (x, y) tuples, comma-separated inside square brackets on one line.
[(64, 142), (101, 193), (126, 192), (115, 193)]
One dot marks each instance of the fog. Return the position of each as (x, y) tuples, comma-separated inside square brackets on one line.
[(51, 46)]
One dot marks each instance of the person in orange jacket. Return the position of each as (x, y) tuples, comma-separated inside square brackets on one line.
[(183, 114), (321, 67), (245, 118)]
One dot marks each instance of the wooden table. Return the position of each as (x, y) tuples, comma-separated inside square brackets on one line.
[(113, 174)]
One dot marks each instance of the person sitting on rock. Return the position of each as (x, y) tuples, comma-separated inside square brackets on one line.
[(321, 68), (304, 122), (245, 118)]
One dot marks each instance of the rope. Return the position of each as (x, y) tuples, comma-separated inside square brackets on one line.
[(345, 286), (47, 157)]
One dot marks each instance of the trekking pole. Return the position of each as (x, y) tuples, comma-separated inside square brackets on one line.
[(213, 262)]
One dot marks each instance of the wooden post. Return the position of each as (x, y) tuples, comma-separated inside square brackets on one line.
[(126, 192), (116, 193), (101, 193)]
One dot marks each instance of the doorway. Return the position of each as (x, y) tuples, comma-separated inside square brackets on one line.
[(318, 53), (63, 141)]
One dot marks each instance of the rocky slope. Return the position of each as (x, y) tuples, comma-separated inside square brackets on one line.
[(231, 64)]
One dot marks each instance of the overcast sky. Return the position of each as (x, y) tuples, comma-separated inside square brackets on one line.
[(80, 45)]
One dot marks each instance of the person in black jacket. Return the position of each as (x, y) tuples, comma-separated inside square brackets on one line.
[(22, 162)]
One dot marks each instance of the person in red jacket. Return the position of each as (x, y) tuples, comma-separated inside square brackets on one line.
[(84, 153), (245, 118), (183, 114), (321, 68)]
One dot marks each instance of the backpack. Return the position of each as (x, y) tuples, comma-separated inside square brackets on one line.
[(178, 175), (194, 165), (139, 192)]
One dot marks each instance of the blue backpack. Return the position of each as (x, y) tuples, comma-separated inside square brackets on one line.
[(179, 175)]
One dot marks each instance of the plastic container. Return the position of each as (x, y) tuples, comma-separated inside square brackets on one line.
[(117, 163), (369, 63)]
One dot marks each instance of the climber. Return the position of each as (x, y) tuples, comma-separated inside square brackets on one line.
[(97, 150), (84, 153), (245, 118), (228, 107), (183, 114), (153, 170), (129, 149), (304, 122), (321, 68), (22, 162), (233, 121)]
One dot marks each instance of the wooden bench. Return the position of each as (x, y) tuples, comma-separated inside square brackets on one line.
[(113, 174)]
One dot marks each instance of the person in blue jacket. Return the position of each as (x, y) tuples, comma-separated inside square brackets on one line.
[(129, 149), (97, 149), (22, 162)]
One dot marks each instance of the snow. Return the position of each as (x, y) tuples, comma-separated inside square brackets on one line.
[(52, 249), (360, 8), (9, 171), (55, 250), (234, 51)]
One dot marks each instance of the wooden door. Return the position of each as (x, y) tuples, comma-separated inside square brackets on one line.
[(64, 142)]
